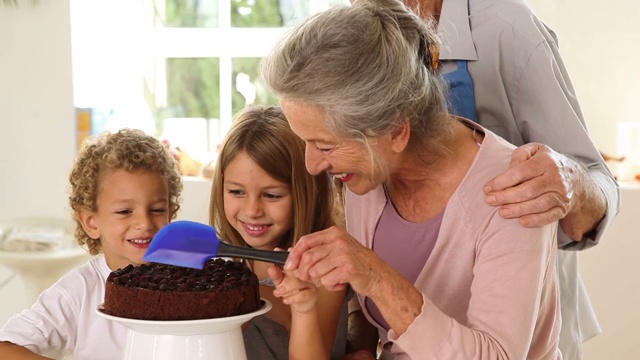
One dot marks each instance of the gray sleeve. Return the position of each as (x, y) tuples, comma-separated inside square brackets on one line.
[(547, 111), (611, 191)]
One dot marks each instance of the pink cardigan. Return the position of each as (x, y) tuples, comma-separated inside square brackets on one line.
[(489, 287)]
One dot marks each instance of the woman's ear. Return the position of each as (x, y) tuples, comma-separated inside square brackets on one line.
[(88, 222), (400, 135)]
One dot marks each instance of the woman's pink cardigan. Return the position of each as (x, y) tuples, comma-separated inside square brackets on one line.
[(489, 287)]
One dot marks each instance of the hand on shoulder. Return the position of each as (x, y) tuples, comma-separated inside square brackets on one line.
[(542, 186)]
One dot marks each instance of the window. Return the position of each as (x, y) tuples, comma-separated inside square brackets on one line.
[(177, 69)]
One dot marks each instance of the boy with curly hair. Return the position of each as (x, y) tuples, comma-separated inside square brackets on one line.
[(125, 186)]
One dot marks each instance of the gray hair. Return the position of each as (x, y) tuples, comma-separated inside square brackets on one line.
[(369, 66)]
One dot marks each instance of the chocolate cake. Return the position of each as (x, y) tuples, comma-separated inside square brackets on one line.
[(165, 292)]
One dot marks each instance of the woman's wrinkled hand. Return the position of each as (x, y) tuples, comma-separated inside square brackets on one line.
[(332, 258)]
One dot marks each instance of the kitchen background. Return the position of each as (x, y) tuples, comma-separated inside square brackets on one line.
[(38, 134)]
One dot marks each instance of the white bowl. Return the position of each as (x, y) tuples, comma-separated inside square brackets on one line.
[(219, 338)]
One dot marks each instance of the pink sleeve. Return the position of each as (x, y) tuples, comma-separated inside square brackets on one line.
[(514, 271)]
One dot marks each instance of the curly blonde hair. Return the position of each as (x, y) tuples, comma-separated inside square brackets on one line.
[(128, 149)]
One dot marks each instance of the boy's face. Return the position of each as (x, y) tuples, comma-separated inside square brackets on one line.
[(132, 207), (258, 206)]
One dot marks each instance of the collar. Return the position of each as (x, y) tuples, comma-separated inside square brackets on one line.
[(454, 29)]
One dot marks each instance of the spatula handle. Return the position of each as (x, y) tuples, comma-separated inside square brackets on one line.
[(276, 257)]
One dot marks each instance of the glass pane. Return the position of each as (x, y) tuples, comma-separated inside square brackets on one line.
[(248, 88), (267, 13), (186, 13), (184, 97), (193, 88)]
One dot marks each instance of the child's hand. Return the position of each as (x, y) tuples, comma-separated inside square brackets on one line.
[(298, 294)]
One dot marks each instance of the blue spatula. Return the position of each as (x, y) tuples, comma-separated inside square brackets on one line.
[(192, 244)]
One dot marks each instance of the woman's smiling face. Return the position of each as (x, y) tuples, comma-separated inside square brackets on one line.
[(348, 160)]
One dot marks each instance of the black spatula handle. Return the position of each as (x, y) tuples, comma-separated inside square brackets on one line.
[(276, 257)]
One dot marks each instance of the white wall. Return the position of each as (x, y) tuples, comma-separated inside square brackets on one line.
[(36, 118), (611, 273), (599, 43), (36, 109)]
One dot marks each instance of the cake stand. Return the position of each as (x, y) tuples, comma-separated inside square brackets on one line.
[(219, 338)]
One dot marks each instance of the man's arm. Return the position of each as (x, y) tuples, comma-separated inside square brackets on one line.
[(542, 186), (570, 183)]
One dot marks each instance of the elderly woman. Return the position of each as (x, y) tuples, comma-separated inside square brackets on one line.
[(436, 269)]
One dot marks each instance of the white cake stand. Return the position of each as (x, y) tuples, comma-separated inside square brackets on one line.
[(219, 338)]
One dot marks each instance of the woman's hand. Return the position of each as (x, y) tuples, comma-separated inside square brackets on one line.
[(332, 258)]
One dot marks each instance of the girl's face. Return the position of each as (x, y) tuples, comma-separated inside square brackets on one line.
[(347, 160), (132, 207), (258, 206)]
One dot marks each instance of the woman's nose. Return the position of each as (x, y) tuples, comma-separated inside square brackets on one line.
[(314, 160)]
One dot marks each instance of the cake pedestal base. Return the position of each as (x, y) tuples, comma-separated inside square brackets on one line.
[(186, 340)]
